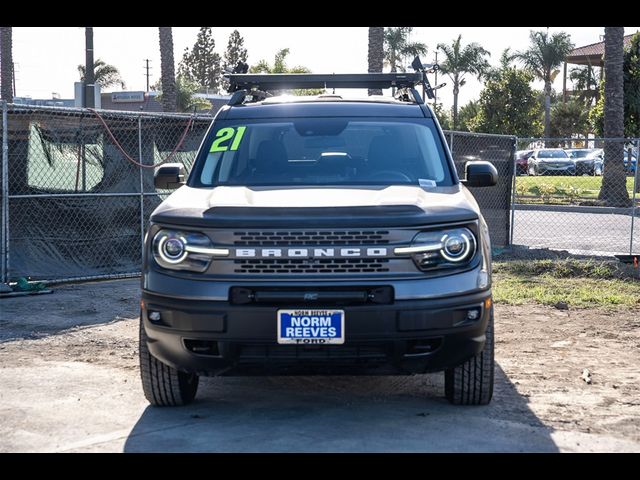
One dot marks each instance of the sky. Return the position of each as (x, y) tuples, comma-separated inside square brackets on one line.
[(46, 58)]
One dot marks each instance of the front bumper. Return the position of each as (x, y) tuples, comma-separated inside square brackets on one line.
[(406, 336), (558, 170), (585, 168)]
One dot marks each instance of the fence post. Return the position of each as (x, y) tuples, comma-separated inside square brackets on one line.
[(513, 189), (141, 190), (5, 195), (633, 199), (451, 145)]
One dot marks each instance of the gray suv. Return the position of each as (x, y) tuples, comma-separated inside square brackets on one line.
[(550, 161), (319, 235)]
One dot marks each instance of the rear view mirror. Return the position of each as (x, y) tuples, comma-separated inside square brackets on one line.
[(169, 176), (480, 174)]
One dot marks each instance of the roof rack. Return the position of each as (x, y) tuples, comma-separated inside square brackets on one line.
[(257, 86), (282, 81)]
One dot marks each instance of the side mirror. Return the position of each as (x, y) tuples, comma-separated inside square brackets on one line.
[(169, 176), (480, 174)]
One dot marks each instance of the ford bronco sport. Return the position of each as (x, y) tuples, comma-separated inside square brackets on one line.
[(319, 235)]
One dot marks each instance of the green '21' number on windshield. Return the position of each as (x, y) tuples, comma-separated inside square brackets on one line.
[(225, 134)]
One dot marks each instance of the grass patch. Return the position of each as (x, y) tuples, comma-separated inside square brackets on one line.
[(580, 283), (578, 186)]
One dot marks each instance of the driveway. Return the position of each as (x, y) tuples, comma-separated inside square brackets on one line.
[(70, 382)]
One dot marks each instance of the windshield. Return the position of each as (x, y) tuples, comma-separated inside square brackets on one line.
[(552, 154), (579, 153), (322, 151)]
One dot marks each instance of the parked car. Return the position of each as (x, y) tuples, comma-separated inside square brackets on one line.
[(629, 166), (589, 161), (522, 156), (550, 161)]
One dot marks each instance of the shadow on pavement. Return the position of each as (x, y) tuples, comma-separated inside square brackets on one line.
[(70, 305), (339, 414)]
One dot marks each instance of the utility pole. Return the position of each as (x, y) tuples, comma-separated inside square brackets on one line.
[(89, 79), (147, 67)]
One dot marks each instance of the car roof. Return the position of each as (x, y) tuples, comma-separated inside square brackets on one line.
[(325, 107)]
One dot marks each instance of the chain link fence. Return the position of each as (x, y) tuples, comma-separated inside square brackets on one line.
[(495, 203), (577, 195), (75, 205), (77, 189)]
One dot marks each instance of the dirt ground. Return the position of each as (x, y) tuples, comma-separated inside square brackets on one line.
[(69, 382)]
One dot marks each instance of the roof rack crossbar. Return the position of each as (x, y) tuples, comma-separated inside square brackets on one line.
[(313, 80)]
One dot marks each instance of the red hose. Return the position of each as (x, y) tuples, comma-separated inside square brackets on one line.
[(126, 155)]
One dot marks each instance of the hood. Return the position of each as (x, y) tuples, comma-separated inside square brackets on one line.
[(314, 207)]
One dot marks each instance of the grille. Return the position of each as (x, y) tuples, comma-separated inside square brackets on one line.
[(311, 238), (319, 265)]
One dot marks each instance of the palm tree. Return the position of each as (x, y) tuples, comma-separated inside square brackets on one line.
[(545, 54), (6, 67), (186, 89), (376, 54), (458, 62), (614, 190), (586, 83), (397, 48), (167, 68), (105, 75)]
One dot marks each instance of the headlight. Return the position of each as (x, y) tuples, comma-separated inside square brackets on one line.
[(441, 248), (179, 250)]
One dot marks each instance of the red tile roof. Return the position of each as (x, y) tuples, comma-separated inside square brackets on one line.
[(594, 49)]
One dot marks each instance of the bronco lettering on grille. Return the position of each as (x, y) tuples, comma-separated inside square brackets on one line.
[(310, 252)]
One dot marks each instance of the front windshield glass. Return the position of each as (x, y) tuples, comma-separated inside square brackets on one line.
[(579, 153), (552, 154), (322, 151)]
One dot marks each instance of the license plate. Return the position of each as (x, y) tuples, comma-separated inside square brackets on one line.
[(311, 327)]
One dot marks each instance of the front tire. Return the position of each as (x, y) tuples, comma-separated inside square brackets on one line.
[(472, 382), (163, 385)]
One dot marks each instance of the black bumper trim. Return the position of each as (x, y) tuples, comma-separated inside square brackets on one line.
[(403, 334)]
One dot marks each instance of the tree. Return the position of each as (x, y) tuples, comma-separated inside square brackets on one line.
[(280, 66), (631, 68), (234, 54), (186, 101), (397, 48), (201, 64), (467, 114), (444, 116), (458, 62), (569, 118), (545, 54), (105, 75), (376, 54), (614, 189), (506, 58), (508, 105), (585, 83), (6, 64), (167, 76)]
